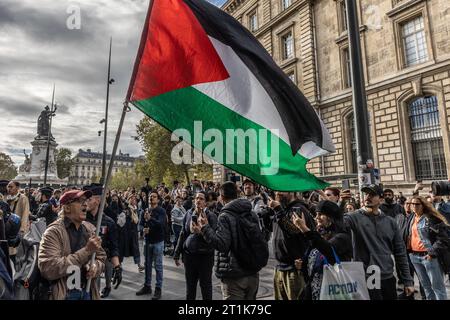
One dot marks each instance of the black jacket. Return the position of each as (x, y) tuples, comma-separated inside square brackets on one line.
[(156, 225), (340, 241), (190, 243), (113, 210), (439, 238), (187, 203), (45, 210), (224, 240), (289, 244), (392, 210), (108, 233)]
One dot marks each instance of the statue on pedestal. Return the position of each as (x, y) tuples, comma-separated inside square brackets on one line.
[(26, 166), (43, 128)]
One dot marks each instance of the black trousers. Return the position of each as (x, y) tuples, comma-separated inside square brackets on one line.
[(388, 290), (198, 267)]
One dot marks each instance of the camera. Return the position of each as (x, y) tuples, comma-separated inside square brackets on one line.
[(440, 188)]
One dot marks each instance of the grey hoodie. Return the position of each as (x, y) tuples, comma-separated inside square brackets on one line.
[(375, 239)]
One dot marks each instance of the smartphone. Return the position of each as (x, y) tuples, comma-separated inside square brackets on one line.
[(297, 211), (194, 219)]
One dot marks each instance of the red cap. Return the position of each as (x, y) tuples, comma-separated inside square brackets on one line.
[(73, 195)]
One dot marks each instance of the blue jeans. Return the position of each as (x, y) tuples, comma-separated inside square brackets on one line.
[(176, 231), (154, 253), (431, 277), (78, 295)]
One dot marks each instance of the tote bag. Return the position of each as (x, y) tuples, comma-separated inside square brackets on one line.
[(344, 281)]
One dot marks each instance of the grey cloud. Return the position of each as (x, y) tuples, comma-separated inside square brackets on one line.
[(16, 108), (38, 50)]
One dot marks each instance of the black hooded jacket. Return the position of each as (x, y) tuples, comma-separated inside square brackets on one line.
[(289, 243), (224, 240)]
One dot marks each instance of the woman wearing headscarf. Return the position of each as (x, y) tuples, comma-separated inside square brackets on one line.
[(329, 235)]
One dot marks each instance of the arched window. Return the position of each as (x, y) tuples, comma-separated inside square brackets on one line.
[(426, 139)]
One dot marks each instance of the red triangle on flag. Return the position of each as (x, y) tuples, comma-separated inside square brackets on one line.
[(177, 52)]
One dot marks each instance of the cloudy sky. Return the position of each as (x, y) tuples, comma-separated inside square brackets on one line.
[(37, 49)]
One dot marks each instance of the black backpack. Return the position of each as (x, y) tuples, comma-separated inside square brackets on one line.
[(252, 252)]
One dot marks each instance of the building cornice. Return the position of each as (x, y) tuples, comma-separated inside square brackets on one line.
[(402, 6), (407, 76), (231, 5), (282, 15)]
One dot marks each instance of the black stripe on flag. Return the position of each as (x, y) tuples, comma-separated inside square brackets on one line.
[(299, 117)]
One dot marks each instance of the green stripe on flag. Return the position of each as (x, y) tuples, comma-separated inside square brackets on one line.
[(179, 109)]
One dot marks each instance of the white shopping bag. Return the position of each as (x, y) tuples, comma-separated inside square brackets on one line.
[(344, 281)]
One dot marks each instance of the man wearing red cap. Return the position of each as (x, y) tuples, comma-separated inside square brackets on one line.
[(68, 243)]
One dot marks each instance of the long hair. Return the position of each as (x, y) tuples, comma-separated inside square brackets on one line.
[(429, 210)]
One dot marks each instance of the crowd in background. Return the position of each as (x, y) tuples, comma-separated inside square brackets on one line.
[(199, 226)]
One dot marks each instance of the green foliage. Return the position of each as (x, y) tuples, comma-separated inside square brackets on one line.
[(127, 178), (157, 145), (8, 170), (64, 162)]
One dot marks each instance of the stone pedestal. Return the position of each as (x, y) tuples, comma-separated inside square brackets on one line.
[(37, 170), (38, 156)]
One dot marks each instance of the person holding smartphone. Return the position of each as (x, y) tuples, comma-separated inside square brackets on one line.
[(289, 245), (197, 254), (153, 227), (329, 233)]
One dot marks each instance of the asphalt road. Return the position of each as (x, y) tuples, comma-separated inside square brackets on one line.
[(174, 287)]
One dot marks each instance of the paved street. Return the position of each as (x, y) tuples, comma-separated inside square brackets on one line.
[(174, 284)]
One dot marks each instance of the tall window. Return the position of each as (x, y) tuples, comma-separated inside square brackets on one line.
[(346, 71), (253, 21), (426, 139), (287, 42), (342, 16), (285, 4), (414, 42)]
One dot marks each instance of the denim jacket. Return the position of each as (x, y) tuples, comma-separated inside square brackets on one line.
[(434, 235), (423, 229)]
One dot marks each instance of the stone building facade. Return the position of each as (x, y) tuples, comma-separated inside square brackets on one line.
[(406, 61), (87, 166)]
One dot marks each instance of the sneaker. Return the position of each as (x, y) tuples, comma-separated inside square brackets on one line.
[(105, 292), (144, 290), (141, 268), (157, 294)]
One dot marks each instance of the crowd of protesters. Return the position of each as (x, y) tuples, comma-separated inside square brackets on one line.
[(226, 229)]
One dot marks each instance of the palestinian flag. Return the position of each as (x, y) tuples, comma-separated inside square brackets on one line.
[(196, 64)]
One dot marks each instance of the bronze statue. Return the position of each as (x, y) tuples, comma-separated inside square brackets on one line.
[(44, 123)]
